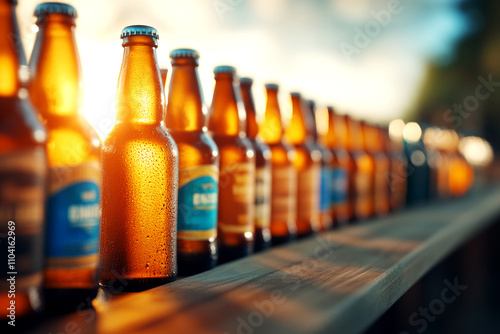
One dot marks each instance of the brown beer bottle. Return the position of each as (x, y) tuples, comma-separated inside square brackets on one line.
[(398, 179), (307, 163), (376, 135), (140, 169), (283, 177), (364, 177), (23, 170), (73, 208), (339, 173), (346, 209), (328, 165), (262, 171), (186, 121), (237, 167)]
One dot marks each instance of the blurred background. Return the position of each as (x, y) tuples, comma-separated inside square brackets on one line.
[(374, 59)]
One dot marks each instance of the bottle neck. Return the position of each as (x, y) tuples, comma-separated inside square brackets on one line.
[(313, 131), (139, 95), (330, 137), (186, 110), (252, 127), (56, 88), (227, 116), (297, 130), (271, 129), (12, 55)]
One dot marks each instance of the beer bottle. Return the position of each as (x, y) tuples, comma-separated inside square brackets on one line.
[(346, 209), (339, 173), (237, 167), (307, 163), (377, 135), (283, 177), (186, 121), (140, 170), (326, 213), (73, 208), (262, 172), (23, 169), (398, 179), (365, 170)]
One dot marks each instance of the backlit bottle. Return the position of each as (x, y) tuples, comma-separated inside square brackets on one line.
[(307, 163), (227, 124), (140, 169), (73, 208), (326, 213), (284, 176), (186, 121), (23, 171), (263, 170)]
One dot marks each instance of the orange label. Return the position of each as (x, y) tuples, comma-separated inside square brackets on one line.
[(308, 192), (236, 198), (284, 192)]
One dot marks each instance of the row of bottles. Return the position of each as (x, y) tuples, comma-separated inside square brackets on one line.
[(175, 188)]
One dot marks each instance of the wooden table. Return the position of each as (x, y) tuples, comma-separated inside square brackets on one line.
[(340, 281)]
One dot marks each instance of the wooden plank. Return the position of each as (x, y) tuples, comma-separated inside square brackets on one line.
[(337, 282)]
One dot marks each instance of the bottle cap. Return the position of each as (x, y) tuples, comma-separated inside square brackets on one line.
[(271, 86), (48, 8), (246, 81), (225, 69), (139, 30), (184, 53), (292, 94)]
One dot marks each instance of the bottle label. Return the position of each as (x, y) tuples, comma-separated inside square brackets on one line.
[(262, 197), (73, 216), (237, 197), (197, 209), (22, 201), (339, 186), (284, 192), (308, 193), (326, 189)]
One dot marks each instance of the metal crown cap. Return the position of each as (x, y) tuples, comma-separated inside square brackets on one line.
[(225, 69), (184, 53), (48, 8), (271, 86), (295, 94), (246, 81), (139, 30)]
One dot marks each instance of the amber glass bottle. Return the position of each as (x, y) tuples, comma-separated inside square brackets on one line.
[(376, 136), (23, 170), (346, 210), (227, 124), (364, 177), (73, 209), (307, 163), (262, 171), (283, 178), (140, 169), (328, 165), (186, 121), (339, 175), (398, 179)]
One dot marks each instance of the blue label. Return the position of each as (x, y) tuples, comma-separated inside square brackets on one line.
[(197, 205), (339, 186), (73, 216), (325, 189)]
